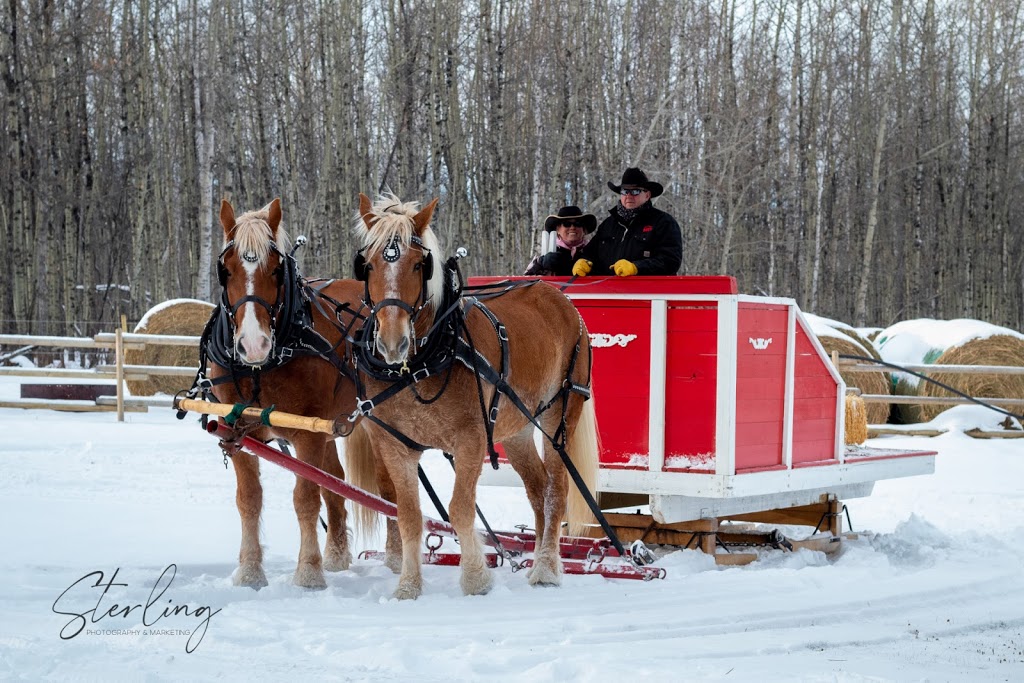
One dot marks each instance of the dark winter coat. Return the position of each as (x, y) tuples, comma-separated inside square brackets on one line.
[(652, 241)]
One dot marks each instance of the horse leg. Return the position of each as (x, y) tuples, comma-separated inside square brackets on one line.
[(475, 579), (393, 541), (309, 571), (337, 556), (547, 564), (249, 500), (401, 463), (522, 455)]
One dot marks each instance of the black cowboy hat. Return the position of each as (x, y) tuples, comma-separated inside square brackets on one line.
[(587, 220), (634, 177)]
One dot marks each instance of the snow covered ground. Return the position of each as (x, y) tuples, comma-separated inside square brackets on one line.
[(935, 592)]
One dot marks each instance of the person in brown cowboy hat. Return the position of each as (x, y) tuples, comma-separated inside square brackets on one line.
[(573, 229), (636, 238)]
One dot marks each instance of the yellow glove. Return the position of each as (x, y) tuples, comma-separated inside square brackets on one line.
[(582, 267), (624, 268)]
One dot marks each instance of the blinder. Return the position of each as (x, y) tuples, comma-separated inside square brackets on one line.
[(360, 269), (428, 266)]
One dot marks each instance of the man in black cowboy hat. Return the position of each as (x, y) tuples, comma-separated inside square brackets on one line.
[(636, 239), (573, 228)]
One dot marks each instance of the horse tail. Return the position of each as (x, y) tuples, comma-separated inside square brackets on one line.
[(360, 470), (583, 452)]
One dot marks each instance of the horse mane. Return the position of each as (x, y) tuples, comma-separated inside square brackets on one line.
[(391, 218), (252, 234)]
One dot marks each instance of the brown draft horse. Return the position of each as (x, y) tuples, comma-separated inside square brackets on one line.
[(548, 347), (269, 320)]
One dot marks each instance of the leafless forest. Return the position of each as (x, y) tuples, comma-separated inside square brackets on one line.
[(863, 157)]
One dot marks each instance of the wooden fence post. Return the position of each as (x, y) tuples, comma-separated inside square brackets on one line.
[(119, 363)]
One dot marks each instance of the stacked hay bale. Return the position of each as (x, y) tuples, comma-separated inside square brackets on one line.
[(952, 342), (175, 317), (856, 421), (845, 340)]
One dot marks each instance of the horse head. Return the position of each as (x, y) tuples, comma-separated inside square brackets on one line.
[(398, 260), (251, 269)]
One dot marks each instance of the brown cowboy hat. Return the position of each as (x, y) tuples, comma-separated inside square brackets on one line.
[(571, 213), (634, 177)]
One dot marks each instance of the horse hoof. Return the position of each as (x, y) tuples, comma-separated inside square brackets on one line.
[(250, 576), (544, 576), (307, 576), (406, 591), (335, 560), (476, 583)]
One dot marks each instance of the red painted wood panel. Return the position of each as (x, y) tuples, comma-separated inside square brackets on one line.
[(621, 376), (691, 384), (814, 404), (760, 384)]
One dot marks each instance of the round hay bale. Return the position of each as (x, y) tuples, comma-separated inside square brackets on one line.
[(999, 349), (925, 341), (856, 421), (178, 316), (870, 333), (858, 335), (867, 382)]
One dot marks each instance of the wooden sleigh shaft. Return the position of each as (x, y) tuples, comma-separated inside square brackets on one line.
[(273, 418), (580, 555)]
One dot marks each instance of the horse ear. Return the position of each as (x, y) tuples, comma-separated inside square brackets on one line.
[(422, 219), (227, 216), (274, 214), (365, 209)]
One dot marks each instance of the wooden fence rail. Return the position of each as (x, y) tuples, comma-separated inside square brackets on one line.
[(121, 341), (120, 372), (916, 430)]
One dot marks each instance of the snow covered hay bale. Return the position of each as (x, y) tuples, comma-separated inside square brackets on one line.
[(177, 317), (845, 341), (999, 349), (952, 342)]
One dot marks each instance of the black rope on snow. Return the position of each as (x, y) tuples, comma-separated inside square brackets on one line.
[(935, 382)]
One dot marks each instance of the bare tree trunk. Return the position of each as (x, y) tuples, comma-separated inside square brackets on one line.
[(860, 309)]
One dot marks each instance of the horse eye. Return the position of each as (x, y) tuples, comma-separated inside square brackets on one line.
[(417, 266)]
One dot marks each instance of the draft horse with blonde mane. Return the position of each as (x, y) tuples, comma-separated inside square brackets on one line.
[(277, 339), (438, 370)]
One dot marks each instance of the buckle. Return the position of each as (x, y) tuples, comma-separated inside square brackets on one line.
[(285, 353), (420, 375), (494, 414), (364, 407), (204, 383)]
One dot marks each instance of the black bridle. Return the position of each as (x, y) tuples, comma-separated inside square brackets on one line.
[(391, 253), (286, 275), (291, 320)]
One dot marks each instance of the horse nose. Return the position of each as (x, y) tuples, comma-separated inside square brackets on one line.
[(395, 353), (253, 349)]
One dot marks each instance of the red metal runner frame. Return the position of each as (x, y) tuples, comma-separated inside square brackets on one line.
[(579, 555)]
